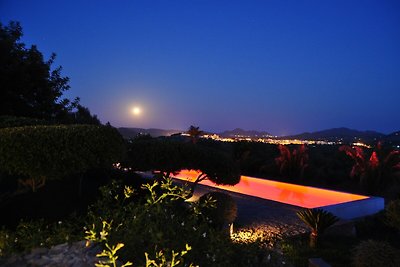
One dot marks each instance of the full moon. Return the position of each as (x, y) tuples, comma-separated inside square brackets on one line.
[(136, 111)]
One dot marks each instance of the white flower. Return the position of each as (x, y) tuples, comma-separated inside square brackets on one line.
[(204, 234), (183, 223)]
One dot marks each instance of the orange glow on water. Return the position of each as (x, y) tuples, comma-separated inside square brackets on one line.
[(297, 195)]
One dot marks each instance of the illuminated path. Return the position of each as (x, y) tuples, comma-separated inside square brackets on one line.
[(344, 205)]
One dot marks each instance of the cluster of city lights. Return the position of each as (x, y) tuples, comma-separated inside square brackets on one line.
[(271, 140)]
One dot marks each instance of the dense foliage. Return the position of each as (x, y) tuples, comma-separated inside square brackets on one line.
[(139, 223), (292, 164), (48, 152), (393, 214), (39, 233), (371, 253), (375, 171), (224, 212)]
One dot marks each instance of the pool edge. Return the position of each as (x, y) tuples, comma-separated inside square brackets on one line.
[(357, 208)]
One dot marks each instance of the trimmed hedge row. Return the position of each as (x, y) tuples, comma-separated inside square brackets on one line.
[(57, 151), (12, 121)]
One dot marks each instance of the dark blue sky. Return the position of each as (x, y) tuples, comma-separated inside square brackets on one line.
[(280, 66)]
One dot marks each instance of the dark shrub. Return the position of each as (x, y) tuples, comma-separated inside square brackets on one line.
[(225, 211), (393, 214), (373, 253)]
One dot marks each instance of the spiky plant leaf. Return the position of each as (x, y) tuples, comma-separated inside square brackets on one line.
[(317, 219)]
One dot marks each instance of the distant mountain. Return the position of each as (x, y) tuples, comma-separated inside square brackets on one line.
[(393, 137), (345, 135), (336, 134), (240, 132), (132, 132), (395, 134)]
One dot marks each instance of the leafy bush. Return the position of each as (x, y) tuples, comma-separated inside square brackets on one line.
[(334, 250), (33, 234), (374, 227), (373, 253), (393, 214), (162, 221), (225, 211), (41, 152)]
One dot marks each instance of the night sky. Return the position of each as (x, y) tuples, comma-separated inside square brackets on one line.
[(281, 66)]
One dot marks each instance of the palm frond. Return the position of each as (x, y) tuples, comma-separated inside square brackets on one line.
[(317, 219)]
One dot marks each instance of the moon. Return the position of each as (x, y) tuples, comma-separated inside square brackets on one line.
[(136, 111)]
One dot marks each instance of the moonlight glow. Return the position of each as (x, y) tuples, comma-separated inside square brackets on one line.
[(136, 111)]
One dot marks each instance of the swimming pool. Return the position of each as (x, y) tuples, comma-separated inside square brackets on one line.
[(343, 205)]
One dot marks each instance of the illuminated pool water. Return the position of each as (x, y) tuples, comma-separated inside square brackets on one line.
[(344, 205)]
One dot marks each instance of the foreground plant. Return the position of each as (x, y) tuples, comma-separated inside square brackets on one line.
[(38, 233), (109, 256), (159, 229), (163, 261), (130, 229), (318, 220)]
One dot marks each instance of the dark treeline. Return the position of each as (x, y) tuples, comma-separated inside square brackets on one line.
[(30, 86)]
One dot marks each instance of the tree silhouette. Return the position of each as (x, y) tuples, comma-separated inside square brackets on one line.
[(375, 172), (292, 164), (169, 157), (29, 85), (194, 133), (215, 166)]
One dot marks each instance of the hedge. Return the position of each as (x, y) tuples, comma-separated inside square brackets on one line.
[(56, 151), (12, 121)]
